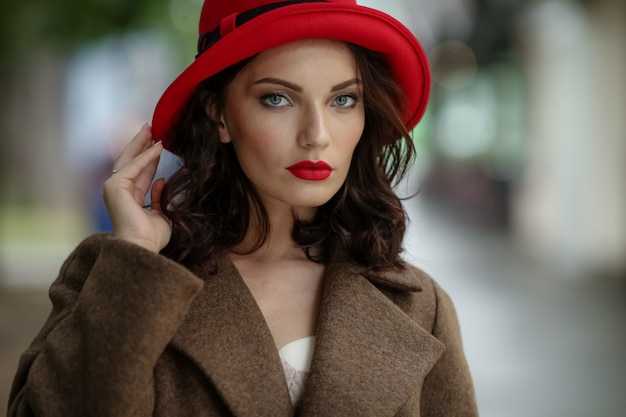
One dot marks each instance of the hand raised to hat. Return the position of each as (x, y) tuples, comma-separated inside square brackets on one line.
[(124, 193)]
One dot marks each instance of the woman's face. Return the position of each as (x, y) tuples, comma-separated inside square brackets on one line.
[(294, 116)]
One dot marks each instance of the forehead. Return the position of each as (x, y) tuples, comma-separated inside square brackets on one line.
[(305, 58)]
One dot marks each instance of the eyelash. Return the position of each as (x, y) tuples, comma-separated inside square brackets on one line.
[(265, 100), (354, 97), (267, 97)]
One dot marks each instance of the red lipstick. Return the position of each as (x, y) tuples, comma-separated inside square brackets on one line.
[(311, 171)]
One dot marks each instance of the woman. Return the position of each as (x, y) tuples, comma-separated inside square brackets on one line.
[(265, 278)]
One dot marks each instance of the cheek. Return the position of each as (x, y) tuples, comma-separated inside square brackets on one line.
[(354, 127), (255, 151), (352, 138), (252, 128), (255, 140), (240, 131), (351, 135)]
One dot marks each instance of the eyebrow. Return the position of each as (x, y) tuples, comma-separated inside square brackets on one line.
[(299, 89), (346, 84)]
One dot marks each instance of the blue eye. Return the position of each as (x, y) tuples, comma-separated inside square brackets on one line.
[(275, 100), (346, 101)]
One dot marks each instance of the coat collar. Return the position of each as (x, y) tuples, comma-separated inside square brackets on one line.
[(368, 353), (226, 335), (408, 280)]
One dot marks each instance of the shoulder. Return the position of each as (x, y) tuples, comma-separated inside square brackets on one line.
[(409, 278), (105, 254), (80, 262)]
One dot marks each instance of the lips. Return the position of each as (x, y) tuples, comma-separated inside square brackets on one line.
[(311, 171)]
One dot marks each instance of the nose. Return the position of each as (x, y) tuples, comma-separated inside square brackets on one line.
[(314, 129)]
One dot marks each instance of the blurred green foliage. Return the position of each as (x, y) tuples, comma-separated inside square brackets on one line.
[(26, 25)]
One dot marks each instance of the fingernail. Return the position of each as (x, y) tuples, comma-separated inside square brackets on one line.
[(156, 143)]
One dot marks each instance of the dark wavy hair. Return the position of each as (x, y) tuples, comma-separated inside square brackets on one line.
[(210, 201)]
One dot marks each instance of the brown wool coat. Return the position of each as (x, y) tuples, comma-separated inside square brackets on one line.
[(134, 334)]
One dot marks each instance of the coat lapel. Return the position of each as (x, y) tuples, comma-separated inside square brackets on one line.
[(368, 358), (369, 355), (227, 337)]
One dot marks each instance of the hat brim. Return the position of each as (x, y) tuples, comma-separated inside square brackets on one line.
[(355, 24)]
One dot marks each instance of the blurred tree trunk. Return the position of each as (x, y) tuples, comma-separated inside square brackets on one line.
[(34, 168), (571, 202), (37, 38)]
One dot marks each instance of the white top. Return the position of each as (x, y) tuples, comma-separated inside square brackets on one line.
[(296, 358)]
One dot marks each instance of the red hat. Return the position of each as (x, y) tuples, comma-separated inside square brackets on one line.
[(233, 30)]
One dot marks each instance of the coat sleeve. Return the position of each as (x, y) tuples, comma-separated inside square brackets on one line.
[(115, 308), (448, 390)]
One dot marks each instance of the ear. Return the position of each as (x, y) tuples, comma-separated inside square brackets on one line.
[(223, 131), (218, 118)]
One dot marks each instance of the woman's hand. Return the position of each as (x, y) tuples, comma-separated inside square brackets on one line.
[(125, 190)]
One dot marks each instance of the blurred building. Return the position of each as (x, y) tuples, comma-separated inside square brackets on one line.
[(570, 205), (526, 130)]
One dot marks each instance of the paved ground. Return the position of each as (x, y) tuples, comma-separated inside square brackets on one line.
[(539, 343), (21, 316)]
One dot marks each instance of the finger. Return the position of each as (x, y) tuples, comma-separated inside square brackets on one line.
[(145, 177), (142, 168), (136, 176), (139, 144), (155, 195)]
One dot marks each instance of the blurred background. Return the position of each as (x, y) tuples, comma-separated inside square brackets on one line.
[(521, 214)]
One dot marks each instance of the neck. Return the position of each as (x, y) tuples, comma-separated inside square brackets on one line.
[(278, 243)]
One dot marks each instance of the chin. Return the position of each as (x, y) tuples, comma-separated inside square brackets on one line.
[(313, 200)]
